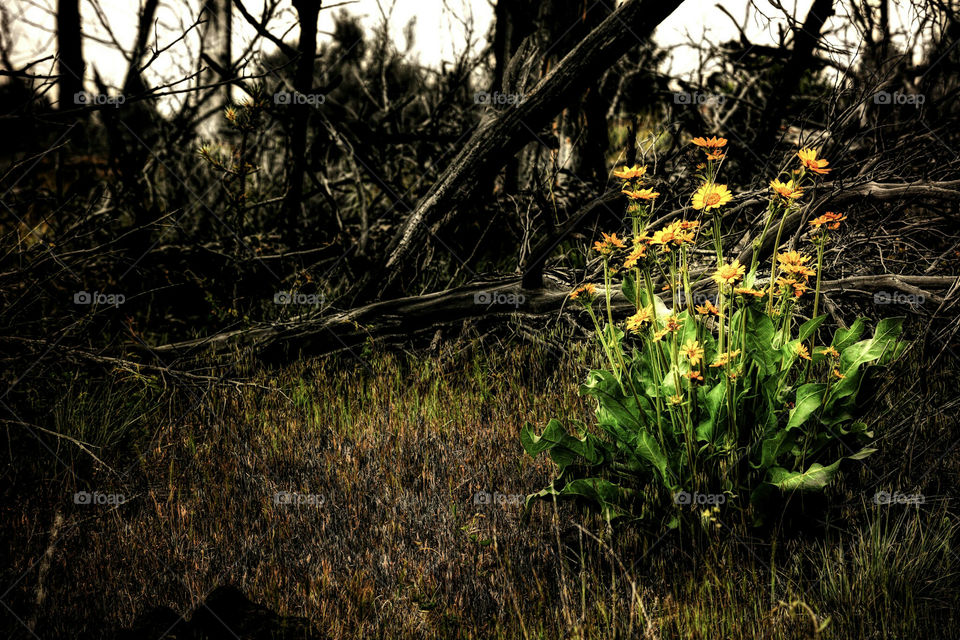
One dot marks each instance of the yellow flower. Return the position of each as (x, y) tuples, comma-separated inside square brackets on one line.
[(673, 232), (728, 274), (629, 173), (808, 157), (711, 196), (689, 225), (749, 292), (840, 376), (672, 324), (637, 320), (794, 263), (799, 286), (692, 350), (715, 155), (788, 189), (710, 143), (588, 291), (663, 237), (830, 219), (695, 375), (639, 251), (708, 308), (792, 258), (641, 194), (724, 358), (830, 351), (802, 351), (609, 244), (677, 399)]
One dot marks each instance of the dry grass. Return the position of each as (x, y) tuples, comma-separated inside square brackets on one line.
[(397, 450)]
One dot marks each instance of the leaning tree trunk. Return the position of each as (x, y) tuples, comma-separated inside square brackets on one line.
[(502, 135)]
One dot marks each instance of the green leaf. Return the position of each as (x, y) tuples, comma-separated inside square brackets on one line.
[(629, 288), (648, 449), (758, 333), (808, 327), (866, 351), (564, 449), (661, 309), (610, 497), (809, 398), (613, 404), (711, 402), (815, 478), (845, 337), (773, 448)]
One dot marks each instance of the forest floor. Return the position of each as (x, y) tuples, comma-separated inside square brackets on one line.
[(381, 499)]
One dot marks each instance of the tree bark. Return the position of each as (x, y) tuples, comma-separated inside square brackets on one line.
[(307, 11), (70, 52)]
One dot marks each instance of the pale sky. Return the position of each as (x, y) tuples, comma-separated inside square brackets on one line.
[(439, 32)]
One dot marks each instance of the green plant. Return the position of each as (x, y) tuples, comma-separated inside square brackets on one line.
[(725, 399)]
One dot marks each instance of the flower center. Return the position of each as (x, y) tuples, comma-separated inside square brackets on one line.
[(712, 198)]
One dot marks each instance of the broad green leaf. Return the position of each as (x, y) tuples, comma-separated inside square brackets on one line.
[(773, 447), (856, 355), (808, 327), (710, 402), (648, 449), (809, 398), (845, 337), (609, 496), (814, 478), (564, 449), (757, 336), (613, 403), (661, 309)]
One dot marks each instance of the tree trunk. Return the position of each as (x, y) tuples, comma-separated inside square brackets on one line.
[(498, 138), (307, 11), (805, 41), (70, 53)]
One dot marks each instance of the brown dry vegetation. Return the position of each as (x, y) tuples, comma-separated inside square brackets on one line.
[(398, 548)]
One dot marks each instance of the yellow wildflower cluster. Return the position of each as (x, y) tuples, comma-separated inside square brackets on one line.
[(796, 273)]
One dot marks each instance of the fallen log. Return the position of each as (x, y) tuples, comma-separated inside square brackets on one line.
[(402, 318)]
